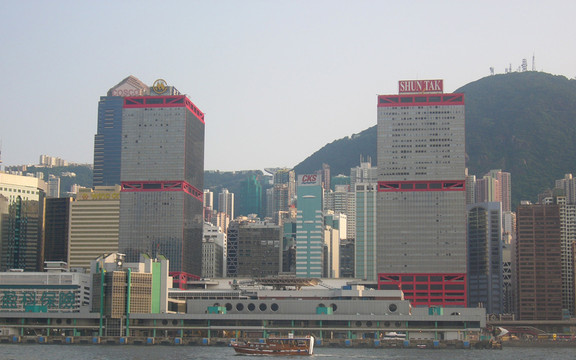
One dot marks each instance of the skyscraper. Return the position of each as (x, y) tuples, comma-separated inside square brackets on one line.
[(108, 139), (226, 203), (538, 262), (21, 222), (421, 226), (162, 172), (485, 273), (365, 231), (94, 225), (57, 229), (309, 226), (250, 197)]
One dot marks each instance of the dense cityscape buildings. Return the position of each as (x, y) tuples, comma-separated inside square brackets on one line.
[(421, 194), (417, 224)]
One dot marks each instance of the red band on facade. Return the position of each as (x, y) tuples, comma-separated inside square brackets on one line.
[(423, 289), (162, 186), (412, 186), (420, 100), (163, 101)]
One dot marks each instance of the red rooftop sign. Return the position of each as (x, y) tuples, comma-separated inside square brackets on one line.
[(420, 86)]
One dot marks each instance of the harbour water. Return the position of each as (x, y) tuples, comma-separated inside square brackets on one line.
[(143, 352)]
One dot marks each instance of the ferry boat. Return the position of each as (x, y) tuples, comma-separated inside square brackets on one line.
[(277, 346)]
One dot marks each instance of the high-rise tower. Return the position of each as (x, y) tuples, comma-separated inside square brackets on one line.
[(162, 178), (421, 246), (309, 226), (108, 139)]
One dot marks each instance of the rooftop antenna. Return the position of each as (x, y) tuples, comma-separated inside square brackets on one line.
[(491, 70), (524, 65), (533, 62)]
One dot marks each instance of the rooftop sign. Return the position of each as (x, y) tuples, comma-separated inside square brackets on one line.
[(420, 86)]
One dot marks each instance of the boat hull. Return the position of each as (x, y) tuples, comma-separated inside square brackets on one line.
[(281, 347)]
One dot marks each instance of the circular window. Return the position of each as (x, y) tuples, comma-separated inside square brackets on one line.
[(228, 306), (251, 307), (216, 304), (59, 321), (369, 323), (321, 305), (262, 307), (397, 323), (174, 322), (274, 307), (392, 307), (68, 321), (239, 307), (358, 323), (387, 323), (334, 307), (164, 322)]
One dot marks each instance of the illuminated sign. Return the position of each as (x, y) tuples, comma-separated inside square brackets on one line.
[(160, 86), (420, 86), (309, 179)]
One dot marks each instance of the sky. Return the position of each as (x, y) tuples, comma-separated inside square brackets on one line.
[(277, 80)]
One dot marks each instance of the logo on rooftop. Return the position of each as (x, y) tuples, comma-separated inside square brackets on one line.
[(160, 86)]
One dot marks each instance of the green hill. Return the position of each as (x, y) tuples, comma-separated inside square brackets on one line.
[(523, 123)]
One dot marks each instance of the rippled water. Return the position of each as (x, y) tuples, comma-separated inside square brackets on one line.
[(142, 352)]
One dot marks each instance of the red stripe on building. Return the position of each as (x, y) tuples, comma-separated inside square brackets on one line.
[(420, 100), (136, 102), (412, 186), (181, 278), (423, 289), (161, 186)]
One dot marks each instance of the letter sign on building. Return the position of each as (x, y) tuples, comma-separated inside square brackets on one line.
[(309, 179), (420, 86)]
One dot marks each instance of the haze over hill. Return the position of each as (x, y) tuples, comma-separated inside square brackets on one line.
[(523, 123)]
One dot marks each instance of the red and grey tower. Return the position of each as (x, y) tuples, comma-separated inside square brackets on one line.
[(421, 243), (162, 174)]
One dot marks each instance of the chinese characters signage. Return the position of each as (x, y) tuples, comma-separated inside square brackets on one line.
[(49, 300)]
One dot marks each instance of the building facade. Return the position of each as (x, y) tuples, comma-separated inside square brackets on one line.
[(108, 139), (309, 226), (250, 197), (421, 244), (94, 225), (485, 258), (366, 231), (21, 222), (538, 262), (226, 203), (162, 174), (57, 229), (259, 249)]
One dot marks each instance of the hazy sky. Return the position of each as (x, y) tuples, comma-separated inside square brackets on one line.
[(277, 80)]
